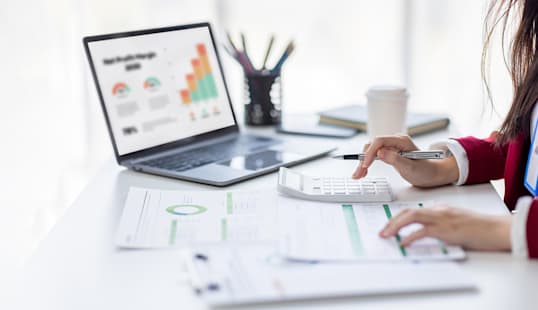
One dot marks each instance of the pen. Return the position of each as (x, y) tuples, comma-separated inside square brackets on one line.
[(271, 41), (231, 42), (240, 56), (434, 154), (285, 55), (229, 51), (245, 52)]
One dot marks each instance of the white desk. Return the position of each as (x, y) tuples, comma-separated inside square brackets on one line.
[(78, 267)]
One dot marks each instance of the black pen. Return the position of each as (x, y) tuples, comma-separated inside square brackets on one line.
[(434, 154)]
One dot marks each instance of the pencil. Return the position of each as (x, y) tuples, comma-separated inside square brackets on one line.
[(271, 41), (285, 55), (245, 52)]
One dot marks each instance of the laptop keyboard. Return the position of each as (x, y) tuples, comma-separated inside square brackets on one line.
[(208, 154)]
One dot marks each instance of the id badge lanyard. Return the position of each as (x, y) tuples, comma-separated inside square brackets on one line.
[(531, 172)]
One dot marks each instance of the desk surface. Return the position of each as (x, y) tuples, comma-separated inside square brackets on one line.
[(78, 267)]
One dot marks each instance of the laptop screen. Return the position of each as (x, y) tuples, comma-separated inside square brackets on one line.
[(160, 87)]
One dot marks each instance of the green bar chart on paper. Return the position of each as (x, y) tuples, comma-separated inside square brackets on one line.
[(353, 230), (312, 231), (388, 213), (324, 231), (229, 203), (159, 218)]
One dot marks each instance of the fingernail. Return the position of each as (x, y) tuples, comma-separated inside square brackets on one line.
[(364, 165), (381, 154)]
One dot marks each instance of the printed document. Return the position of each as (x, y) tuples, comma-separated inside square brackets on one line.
[(162, 218), (331, 231), (228, 275), (303, 230)]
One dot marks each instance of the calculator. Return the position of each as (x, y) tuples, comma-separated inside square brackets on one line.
[(332, 189)]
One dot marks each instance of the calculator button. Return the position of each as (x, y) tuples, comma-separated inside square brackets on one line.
[(368, 189)]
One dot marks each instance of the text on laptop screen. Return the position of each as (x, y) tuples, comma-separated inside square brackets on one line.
[(160, 87)]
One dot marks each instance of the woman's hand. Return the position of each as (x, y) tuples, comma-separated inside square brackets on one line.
[(422, 173), (454, 226)]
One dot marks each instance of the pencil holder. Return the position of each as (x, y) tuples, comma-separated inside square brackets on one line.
[(263, 97)]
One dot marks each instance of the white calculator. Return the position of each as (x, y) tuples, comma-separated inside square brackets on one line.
[(370, 189)]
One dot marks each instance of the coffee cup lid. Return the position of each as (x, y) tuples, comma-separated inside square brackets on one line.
[(390, 91)]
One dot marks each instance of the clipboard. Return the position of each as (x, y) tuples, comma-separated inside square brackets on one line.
[(254, 274)]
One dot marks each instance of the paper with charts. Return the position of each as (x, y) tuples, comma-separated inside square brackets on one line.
[(333, 232), (160, 218)]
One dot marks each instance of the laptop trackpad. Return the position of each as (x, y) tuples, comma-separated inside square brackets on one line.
[(259, 160)]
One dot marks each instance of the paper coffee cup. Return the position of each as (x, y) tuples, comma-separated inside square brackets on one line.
[(387, 110)]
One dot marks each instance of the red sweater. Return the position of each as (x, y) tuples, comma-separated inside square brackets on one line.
[(487, 162)]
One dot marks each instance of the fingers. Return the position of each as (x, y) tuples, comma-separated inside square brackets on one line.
[(361, 171), (393, 158), (404, 218), (419, 234), (400, 143)]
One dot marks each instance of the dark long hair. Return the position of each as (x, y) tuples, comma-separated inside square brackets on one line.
[(522, 61)]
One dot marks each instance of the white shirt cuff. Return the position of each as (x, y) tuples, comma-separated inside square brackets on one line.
[(459, 154), (518, 233)]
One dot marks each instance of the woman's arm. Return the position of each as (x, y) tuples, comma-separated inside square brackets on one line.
[(486, 159), (472, 230), (454, 226), (422, 173)]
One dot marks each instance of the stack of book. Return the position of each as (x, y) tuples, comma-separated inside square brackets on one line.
[(356, 116)]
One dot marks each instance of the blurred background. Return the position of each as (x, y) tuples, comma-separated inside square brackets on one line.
[(53, 135)]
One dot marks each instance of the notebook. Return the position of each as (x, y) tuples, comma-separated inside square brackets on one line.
[(356, 116)]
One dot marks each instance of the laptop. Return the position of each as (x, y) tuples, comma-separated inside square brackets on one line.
[(169, 113)]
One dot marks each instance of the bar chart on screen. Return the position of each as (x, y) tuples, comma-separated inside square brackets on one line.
[(161, 87), (201, 88)]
